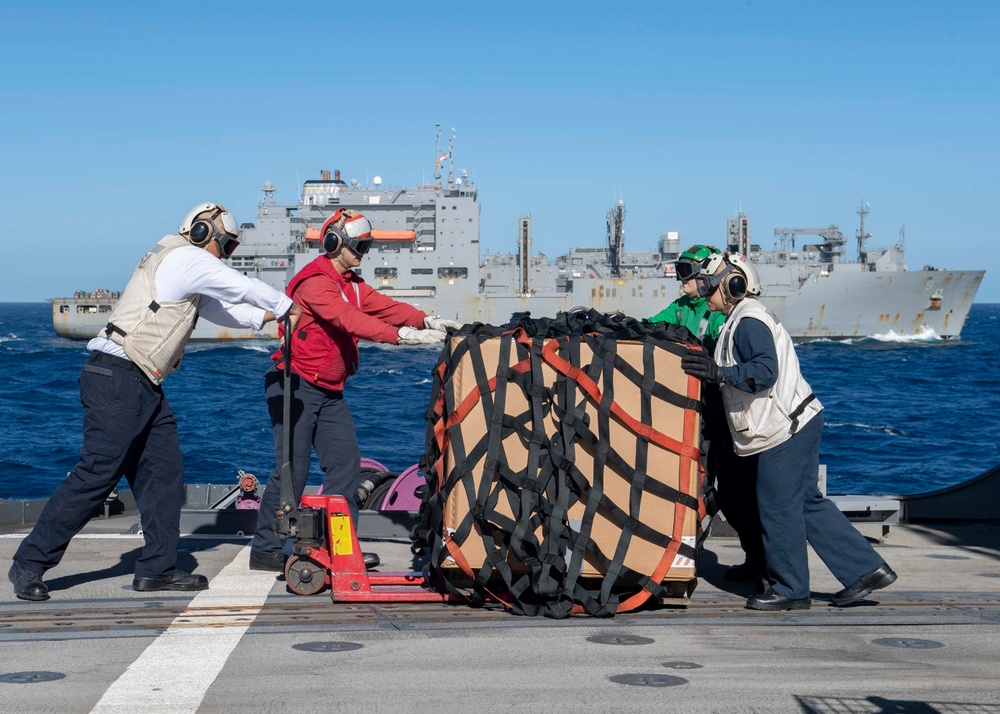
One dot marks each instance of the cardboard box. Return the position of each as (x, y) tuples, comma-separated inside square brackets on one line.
[(637, 424)]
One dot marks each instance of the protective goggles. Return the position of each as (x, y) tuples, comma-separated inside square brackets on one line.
[(708, 284), (359, 246), (227, 243), (686, 269)]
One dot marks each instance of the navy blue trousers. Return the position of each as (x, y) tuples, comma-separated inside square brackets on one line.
[(793, 511), (735, 480), (736, 490), (128, 430), (320, 419)]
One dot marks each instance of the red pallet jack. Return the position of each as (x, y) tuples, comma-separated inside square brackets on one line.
[(326, 550), (334, 558)]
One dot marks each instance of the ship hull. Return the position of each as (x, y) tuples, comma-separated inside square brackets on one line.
[(834, 306), (838, 306), (848, 304), (81, 318)]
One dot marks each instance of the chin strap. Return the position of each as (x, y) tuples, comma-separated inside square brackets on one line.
[(339, 258)]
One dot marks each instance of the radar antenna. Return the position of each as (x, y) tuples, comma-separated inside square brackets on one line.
[(268, 199)]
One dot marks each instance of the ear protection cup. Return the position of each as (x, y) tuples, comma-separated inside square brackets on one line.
[(334, 237), (201, 233), (735, 286)]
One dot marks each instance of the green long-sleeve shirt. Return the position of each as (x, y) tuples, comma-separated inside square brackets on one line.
[(693, 313)]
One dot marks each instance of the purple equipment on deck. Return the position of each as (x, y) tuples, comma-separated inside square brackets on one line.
[(402, 495)]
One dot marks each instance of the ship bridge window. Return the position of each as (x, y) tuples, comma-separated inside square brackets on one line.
[(104, 308), (421, 271), (386, 273), (64, 308), (451, 272)]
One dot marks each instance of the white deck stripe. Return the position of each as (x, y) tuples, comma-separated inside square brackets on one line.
[(172, 675)]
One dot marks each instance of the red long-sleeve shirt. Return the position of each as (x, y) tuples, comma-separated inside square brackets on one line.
[(337, 312)]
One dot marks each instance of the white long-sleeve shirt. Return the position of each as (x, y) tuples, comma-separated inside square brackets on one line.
[(230, 298)]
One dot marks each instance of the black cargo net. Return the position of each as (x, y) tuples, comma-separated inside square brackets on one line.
[(522, 515)]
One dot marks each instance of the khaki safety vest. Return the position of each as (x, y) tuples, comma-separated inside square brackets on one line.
[(153, 334), (771, 416)]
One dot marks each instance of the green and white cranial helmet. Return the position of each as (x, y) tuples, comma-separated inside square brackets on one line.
[(691, 260)]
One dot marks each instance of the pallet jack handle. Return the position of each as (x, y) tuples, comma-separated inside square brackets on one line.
[(287, 518)]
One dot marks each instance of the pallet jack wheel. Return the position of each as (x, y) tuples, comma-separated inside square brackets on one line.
[(304, 576)]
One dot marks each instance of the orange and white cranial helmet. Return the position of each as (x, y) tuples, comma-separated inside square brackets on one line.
[(347, 228)]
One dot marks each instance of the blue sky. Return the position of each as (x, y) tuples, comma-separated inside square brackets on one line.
[(116, 118)]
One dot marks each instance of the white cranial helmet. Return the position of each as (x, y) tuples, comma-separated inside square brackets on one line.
[(732, 272), (208, 221)]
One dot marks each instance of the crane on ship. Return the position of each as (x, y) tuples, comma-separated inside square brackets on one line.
[(830, 251)]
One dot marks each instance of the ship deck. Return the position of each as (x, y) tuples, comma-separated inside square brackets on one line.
[(930, 643)]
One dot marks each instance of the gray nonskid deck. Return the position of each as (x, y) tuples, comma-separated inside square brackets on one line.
[(932, 640)]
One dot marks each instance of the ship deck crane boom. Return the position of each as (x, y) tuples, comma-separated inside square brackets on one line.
[(831, 250)]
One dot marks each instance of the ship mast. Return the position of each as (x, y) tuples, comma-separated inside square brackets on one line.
[(616, 237), (451, 159), (862, 236), (437, 154), (524, 253)]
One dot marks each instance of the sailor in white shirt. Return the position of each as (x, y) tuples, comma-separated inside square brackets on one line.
[(128, 427)]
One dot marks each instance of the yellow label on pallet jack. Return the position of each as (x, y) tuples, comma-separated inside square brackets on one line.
[(340, 535)]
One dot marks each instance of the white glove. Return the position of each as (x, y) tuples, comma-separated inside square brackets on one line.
[(434, 322), (413, 336)]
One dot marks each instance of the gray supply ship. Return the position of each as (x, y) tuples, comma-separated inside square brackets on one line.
[(427, 253)]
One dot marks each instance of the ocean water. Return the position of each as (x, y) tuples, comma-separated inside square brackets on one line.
[(903, 415)]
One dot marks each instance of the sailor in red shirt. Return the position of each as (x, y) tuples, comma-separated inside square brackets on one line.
[(338, 310)]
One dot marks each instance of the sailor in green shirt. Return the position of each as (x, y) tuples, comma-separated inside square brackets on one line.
[(737, 497), (690, 309)]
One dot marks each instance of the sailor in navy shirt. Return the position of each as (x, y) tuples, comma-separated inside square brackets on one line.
[(777, 423)]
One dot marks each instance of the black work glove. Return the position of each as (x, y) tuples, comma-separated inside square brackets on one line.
[(702, 366)]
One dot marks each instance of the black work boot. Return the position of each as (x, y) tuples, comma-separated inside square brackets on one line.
[(28, 584), (268, 561), (174, 580)]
